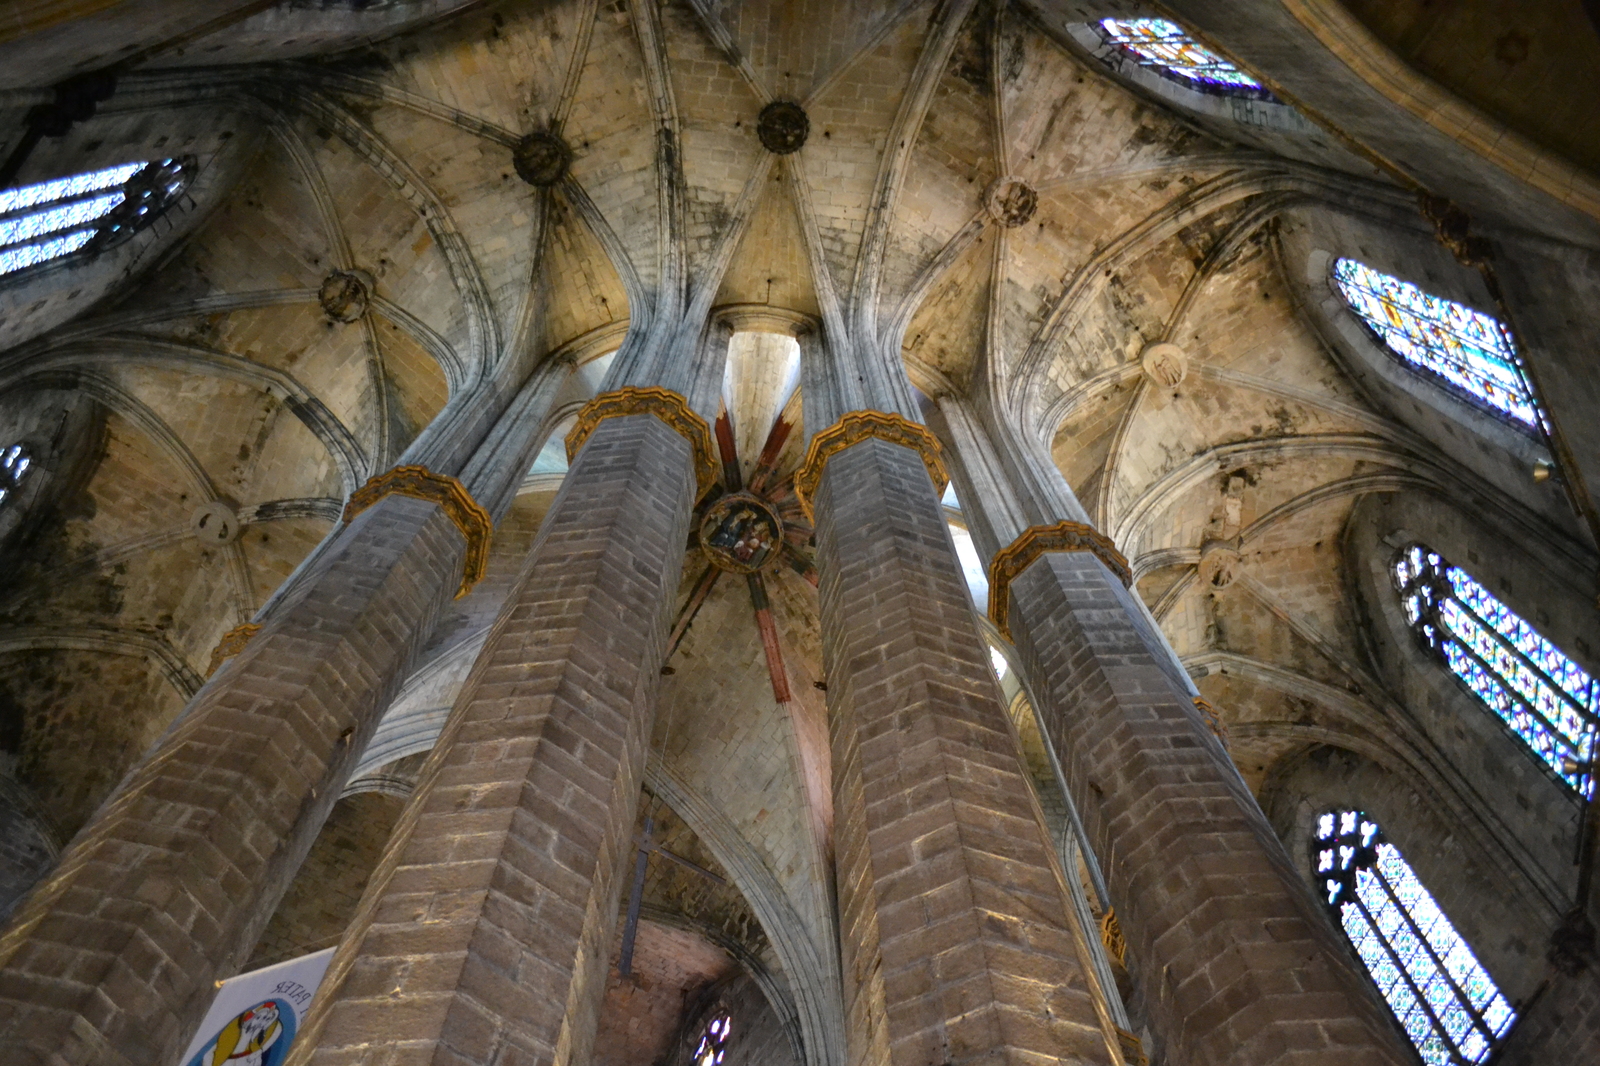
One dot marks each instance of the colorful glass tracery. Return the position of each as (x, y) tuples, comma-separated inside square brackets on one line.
[(56, 218), (1164, 45), (14, 464), (1470, 351), (1544, 697), (714, 1042), (1439, 992)]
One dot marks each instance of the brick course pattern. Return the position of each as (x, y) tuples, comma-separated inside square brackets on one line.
[(111, 961), (486, 931), (1242, 969), (954, 929)]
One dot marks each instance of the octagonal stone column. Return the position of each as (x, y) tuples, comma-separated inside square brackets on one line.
[(1238, 962)]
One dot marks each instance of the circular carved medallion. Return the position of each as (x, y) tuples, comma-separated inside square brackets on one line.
[(215, 523), (542, 158), (741, 533), (1219, 563), (344, 294), (1010, 201), (1165, 363), (783, 127)]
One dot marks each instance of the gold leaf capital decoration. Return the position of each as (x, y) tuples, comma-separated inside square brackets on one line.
[(1037, 540), (1132, 1049), (1219, 728), (1116, 944), (449, 495), (666, 405), (231, 644), (856, 427)]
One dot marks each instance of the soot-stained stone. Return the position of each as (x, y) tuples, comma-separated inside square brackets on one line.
[(542, 158), (783, 127), (344, 294), (1011, 201), (741, 533)]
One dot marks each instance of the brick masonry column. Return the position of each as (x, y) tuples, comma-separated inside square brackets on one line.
[(484, 934), (111, 959), (955, 937), (1239, 964)]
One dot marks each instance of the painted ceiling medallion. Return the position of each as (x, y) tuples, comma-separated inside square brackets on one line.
[(344, 294), (1011, 201), (542, 159), (783, 127), (741, 533)]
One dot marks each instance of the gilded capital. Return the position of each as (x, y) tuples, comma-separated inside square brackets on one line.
[(1035, 541), (449, 495), (856, 427), (666, 405), (231, 644)]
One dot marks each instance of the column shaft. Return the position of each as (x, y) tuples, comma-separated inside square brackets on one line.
[(484, 934), (112, 958), (1239, 966), (956, 941)]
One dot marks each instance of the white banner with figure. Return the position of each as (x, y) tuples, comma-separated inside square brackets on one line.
[(255, 1016)]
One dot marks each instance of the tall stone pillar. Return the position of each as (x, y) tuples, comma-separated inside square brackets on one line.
[(112, 958), (1239, 965), (956, 940), (485, 932)]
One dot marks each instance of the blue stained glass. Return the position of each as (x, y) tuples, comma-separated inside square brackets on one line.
[(56, 218), (14, 464), (1439, 993), (65, 188), (1164, 44), (1546, 699), (1470, 350)]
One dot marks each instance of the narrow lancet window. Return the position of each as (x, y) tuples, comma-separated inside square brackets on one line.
[(85, 212), (713, 1042), (1470, 352), (1544, 697), (14, 464), (1164, 46), (1443, 998)]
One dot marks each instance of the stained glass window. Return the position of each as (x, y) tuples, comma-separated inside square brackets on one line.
[(14, 464), (1164, 46), (85, 211), (1443, 998), (1544, 697), (714, 1042), (1471, 351)]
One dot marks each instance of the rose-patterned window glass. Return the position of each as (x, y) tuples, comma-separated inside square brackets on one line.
[(1546, 699), (713, 1042), (85, 212), (14, 464), (1164, 46), (1468, 351), (1443, 998)]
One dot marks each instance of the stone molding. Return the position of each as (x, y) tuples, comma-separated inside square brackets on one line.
[(856, 427), (1218, 727), (1064, 536), (1132, 1049), (231, 644), (666, 405), (420, 483)]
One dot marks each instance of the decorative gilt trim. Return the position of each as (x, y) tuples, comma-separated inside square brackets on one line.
[(1035, 541), (666, 405), (1132, 1049), (1219, 728), (1111, 936), (231, 644), (856, 427), (449, 495)]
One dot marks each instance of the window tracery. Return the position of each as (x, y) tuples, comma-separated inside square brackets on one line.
[(1443, 998), (1165, 46), (713, 1042), (14, 464), (85, 212), (1548, 700), (1471, 352)]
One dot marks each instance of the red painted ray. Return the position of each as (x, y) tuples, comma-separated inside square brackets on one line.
[(769, 638), (800, 564), (697, 597), (769, 454), (729, 451)]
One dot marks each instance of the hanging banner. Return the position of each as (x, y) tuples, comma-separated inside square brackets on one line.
[(255, 1016)]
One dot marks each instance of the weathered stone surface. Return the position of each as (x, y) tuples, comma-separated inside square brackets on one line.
[(1240, 967), (112, 958), (954, 927), (485, 934)]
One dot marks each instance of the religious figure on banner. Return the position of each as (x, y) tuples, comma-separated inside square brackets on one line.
[(253, 1038)]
